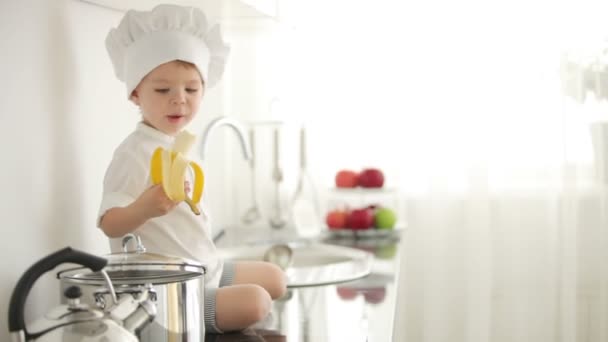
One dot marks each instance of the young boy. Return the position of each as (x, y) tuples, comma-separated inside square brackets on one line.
[(168, 57)]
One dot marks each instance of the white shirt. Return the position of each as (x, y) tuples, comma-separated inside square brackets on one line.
[(179, 233)]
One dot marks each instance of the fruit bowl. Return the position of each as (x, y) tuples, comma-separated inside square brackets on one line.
[(371, 233)]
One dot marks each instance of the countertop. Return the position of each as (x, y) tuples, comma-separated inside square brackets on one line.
[(359, 310)]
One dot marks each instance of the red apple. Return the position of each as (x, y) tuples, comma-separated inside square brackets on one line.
[(371, 178), (346, 293), (365, 248), (374, 295), (336, 219), (360, 219), (346, 179)]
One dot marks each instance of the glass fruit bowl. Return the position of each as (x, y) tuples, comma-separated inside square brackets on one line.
[(364, 233)]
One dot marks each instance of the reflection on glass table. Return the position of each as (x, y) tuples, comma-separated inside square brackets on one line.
[(362, 309)]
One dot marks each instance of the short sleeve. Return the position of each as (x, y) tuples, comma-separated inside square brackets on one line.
[(126, 178)]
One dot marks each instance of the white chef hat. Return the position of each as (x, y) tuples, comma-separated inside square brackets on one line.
[(146, 39)]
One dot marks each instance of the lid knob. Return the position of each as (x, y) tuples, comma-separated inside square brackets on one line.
[(72, 292), (139, 247)]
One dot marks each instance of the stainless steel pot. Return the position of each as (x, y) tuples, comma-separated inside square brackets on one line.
[(176, 286)]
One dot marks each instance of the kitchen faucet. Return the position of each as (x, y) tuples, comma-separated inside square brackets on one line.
[(238, 129), (240, 133)]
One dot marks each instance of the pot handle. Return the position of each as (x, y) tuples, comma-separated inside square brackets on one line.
[(16, 310)]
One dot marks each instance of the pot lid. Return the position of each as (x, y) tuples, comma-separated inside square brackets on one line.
[(139, 267), (148, 259)]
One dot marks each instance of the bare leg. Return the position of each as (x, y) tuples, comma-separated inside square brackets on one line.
[(267, 275), (240, 306)]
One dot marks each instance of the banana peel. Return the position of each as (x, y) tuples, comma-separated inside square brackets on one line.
[(169, 168)]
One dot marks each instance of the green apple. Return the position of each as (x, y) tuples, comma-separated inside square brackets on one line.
[(385, 218), (387, 251)]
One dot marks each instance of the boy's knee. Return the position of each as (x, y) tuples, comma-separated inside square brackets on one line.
[(260, 303), (240, 306), (278, 286)]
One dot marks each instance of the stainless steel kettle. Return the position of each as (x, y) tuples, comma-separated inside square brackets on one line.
[(76, 321)]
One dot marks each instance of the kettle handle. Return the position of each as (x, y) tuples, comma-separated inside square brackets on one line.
[(16, 310)]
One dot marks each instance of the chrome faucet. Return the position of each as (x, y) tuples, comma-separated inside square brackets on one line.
[(238, 129)]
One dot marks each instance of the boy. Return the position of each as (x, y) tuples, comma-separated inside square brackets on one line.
[(168, 57)]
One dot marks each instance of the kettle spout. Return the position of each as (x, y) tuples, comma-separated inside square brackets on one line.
[(144, 314), (135, 311)]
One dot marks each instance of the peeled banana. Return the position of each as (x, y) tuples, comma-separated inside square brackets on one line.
[(169, 167)]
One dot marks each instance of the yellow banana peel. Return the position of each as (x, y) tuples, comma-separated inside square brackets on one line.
[(169, 168)]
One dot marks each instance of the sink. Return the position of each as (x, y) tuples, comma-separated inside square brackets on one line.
[(313, 263)]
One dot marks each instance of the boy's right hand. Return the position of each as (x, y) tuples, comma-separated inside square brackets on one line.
[(154, 202)]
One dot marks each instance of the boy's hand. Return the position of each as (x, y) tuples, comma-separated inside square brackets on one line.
[(154, 202)]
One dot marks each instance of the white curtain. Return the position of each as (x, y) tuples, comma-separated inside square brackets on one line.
[(461, 103)]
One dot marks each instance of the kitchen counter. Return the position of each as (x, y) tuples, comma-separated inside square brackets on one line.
[(359, 310)]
